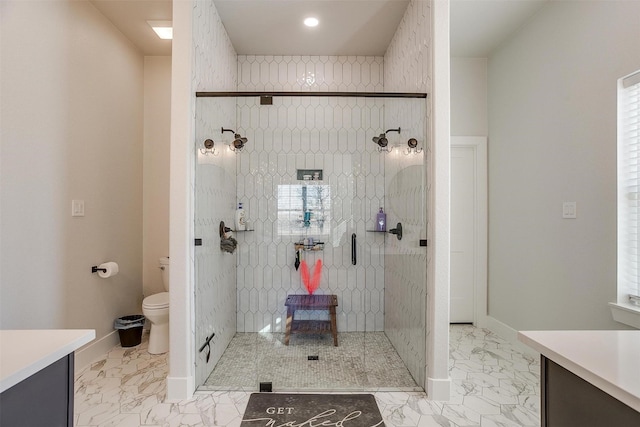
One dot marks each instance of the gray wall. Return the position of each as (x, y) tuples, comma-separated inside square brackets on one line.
[(552, 138), (155, 202), (469, 97), (71, 109)]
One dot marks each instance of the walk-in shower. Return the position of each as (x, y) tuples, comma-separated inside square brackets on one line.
[(311, 184)]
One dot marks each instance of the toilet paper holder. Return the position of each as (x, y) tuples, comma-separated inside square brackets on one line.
[(106, 269)]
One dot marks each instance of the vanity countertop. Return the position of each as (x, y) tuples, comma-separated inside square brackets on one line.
[(610, 360), (25, 352)]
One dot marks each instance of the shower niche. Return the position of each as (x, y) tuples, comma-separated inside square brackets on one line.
[(309, 174), (311, 178)]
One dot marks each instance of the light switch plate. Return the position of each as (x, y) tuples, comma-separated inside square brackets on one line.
[(77, 208), (569, 210)]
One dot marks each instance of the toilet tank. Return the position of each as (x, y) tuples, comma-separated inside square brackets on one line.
[(164, 267)]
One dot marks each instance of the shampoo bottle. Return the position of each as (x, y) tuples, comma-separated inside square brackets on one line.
[(307, 218), (381, 221), (241, 223)]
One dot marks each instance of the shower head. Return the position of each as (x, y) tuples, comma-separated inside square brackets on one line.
[(382, 140), (238, 141)]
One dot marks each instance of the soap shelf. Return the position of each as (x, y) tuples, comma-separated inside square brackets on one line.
[(316, 246), (397, 231), (224, 229)]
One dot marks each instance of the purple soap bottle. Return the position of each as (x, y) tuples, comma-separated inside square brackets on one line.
[(381, 221)]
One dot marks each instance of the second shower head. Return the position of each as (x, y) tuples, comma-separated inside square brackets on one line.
[(382, 141), (238, 141)]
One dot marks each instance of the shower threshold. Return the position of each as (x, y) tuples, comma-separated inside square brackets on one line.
[(362, 362)]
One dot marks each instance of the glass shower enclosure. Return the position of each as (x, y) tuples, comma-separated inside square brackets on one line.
[(310, 294)]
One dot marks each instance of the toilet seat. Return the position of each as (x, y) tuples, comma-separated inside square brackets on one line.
[(156, 301)]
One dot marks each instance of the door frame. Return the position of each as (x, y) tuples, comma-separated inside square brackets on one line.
[(479, 146)]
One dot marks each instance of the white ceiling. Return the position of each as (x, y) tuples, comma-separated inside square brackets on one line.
[(131, 16), (347, 27)]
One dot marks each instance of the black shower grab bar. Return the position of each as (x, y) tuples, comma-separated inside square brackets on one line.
[(353, 249)]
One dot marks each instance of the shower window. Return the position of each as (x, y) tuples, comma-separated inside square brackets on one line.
[(294, 200)]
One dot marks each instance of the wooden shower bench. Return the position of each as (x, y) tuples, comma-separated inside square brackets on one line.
[(311, 302)]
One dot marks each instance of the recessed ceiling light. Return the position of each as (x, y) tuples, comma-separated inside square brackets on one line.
[(311, 22), (164, 29)]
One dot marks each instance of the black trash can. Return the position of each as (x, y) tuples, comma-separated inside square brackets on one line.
[(130, 329)]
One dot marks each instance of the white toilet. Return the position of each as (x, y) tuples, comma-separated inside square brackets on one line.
[(156, 309)]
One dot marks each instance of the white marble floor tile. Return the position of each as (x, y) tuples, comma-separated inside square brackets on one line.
[(461, 415), (481, 405), (493, 385)]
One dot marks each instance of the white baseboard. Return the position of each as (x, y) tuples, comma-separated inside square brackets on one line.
[(180, 388), (506, 332), (482, 321), (87, 354), (439, 389)]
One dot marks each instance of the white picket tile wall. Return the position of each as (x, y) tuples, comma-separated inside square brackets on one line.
[(407, 69), (333, 134), (310, 73), (215, 69), (214, 59)]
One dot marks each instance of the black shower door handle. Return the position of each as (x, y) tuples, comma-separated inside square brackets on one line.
[(353, 249)]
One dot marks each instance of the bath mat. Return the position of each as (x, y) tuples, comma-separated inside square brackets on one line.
[(278, 409)]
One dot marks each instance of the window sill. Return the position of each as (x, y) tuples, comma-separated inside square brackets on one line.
[(628, 314)]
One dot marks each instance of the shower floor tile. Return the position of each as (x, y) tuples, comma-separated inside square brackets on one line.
[(361, 362)]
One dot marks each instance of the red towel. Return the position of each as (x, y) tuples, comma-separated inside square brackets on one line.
[(315, 280), (311, 283)]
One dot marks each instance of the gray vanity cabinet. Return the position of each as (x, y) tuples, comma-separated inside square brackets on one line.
[(45, 399)]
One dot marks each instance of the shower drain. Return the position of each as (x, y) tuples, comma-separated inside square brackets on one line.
[(266, 387), (312, 358)]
